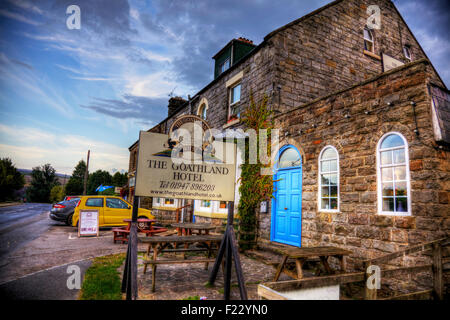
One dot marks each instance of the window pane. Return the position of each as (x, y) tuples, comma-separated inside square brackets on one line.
[(333, 191), (333, 165), (333, 179), (400, 189), (326, 179), (325, 204), (388, 189), (367, 34), (401, 204), (169, 201), (206, 203), (400, 173), (386, 157), (329, 153), (325, 166), (399, 156), (386, 174), (223, 204), (94, 202), (392, 141), (236, 94), (388, 204), (325, 191), (289, 158), (333, 204)]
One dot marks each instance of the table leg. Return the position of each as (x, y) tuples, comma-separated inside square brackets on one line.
[(324, 260), (343, 262), (153, 277), (208, 244), (148, 253), (299, 266), (280, 268)]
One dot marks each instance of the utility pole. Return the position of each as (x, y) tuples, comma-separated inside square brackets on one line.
[(86, 174)]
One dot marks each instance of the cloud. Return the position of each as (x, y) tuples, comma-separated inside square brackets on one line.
[(29, 147), (143, 109), (18, 17)]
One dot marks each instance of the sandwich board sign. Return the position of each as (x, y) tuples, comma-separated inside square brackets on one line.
[(88, 224), (175, 166)]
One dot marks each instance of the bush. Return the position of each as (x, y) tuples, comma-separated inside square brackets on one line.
[(57, 194), (11, 180)]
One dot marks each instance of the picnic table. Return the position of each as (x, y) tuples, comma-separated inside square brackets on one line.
[(144, 226), (207, 243), (302, 254), (186, 228)]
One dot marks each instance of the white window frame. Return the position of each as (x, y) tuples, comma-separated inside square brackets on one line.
[(379, 180), (319, 194), (372, 41), (232, 104), (213, 208), (407, 52)]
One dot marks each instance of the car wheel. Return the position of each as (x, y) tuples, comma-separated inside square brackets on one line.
[(69, 220)]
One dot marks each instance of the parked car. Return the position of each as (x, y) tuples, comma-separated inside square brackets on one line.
[(112, 210), (71, 197), (63, 210)]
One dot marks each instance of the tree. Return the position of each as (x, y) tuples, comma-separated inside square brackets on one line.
[(57, 194), (97, 178), (75, 184), (10, 179), (120, 179), (43, 180), (255, 187)]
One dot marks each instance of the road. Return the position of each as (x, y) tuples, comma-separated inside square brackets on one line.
[(21, 224)]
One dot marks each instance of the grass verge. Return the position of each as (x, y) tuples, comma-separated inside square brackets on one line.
[(102, 280)]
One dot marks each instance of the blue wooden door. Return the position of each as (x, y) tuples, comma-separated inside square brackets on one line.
[(287, 220)]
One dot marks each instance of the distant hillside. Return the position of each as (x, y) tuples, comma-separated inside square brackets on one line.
[(63, 178)]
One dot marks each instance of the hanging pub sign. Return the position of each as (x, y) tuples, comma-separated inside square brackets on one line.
[(186, 164), (88, 223)]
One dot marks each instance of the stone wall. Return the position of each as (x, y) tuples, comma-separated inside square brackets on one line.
[(357, 226), (324, 52)]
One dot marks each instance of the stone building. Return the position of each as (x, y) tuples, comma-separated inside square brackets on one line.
[(365, 128)]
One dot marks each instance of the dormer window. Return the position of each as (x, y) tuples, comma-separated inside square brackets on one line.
[(368, 40), (407, 52)]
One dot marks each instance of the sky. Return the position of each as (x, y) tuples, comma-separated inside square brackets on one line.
[(65, 91)]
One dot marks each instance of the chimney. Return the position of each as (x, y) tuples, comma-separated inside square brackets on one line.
[(174, 104), (245, 40)]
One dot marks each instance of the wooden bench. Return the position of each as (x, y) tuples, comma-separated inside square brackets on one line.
[(159, 244), (121, 234)]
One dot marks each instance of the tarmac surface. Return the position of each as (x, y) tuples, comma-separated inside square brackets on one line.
[(31, 245)]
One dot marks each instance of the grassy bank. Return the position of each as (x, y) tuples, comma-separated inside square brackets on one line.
[(102, 281)]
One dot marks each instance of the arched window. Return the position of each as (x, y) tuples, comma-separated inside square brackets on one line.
[(368, 40), (202, 111), (289, 158), (329, 179), (393, 175)]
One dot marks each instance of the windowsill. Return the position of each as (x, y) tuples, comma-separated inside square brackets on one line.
[(230, 123), (165, 208), (216, 215), (396, 214), (372, 55), (329, 211)]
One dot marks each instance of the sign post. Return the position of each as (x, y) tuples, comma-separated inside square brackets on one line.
[(180, 165)]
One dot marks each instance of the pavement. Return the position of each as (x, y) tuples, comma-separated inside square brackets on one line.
[(50, 284)]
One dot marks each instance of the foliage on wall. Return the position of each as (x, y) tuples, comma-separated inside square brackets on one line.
[(254, 187)]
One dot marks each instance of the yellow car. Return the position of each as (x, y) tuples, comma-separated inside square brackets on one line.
[(112, 210)]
